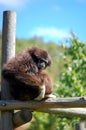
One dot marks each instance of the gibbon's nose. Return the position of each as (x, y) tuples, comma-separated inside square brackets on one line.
[(41, 65)]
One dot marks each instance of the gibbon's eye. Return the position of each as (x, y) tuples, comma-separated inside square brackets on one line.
[(42, 63)]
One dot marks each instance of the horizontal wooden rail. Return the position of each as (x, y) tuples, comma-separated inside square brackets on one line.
[(73, 102), (72, 112)]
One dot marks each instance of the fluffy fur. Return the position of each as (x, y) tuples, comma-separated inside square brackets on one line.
[(26, 74)]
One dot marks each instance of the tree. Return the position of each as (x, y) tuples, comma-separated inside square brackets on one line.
[(73, 76)]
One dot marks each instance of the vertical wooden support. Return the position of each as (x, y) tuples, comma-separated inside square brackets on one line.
[(21, 117), (8, 51)]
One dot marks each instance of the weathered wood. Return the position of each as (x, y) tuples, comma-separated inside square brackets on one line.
[(8, 51), (73, 102), (72, 112), (21, 117), (8, 35)]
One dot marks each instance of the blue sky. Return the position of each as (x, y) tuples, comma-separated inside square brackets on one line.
[(50, 19)]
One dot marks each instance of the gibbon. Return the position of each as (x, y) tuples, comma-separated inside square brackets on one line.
[(26, 76)]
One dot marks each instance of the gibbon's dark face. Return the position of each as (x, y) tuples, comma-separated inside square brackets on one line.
[(41, 58), (42, 63)]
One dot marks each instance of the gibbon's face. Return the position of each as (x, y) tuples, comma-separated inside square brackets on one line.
[(41, 58), (42, 63)]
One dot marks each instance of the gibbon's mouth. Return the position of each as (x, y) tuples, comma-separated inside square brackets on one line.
[(41, 65)]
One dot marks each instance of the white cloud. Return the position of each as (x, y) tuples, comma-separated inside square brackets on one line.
[(13, 3), (51, 32)]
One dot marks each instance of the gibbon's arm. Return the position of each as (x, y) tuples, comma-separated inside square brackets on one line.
[(33, 80), (22, 77), (29, 79)]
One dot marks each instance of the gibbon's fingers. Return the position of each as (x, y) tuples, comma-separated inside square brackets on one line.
[(50, 96), (42, 93)]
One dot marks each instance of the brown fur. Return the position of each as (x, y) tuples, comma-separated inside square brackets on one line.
[(23, 74)]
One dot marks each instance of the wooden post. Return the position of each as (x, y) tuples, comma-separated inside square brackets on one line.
[(8, 51), (21, 117)]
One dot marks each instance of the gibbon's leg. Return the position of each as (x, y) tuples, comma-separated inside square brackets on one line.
[(42, 93)]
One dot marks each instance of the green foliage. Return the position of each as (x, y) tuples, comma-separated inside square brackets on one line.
[(73, 77), (51, 122)]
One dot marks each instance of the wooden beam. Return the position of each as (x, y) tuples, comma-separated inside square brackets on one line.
[(72, 112), (73, 102)]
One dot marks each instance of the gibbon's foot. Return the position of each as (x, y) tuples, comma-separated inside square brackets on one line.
[(50, 96), (42, 93)]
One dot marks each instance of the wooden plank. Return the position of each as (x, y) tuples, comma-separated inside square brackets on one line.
[(8, 51), (72, 112), (73, 102)]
